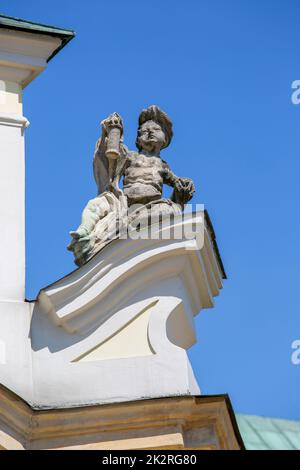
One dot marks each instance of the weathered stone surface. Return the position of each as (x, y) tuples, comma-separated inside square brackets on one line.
[(144, 173)]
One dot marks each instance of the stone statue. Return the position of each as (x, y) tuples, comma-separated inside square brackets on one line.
[(144, 173)]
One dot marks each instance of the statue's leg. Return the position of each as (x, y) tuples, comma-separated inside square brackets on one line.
[(95, 210), (99, 223)]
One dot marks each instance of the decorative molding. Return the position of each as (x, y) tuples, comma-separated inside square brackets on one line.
[(165, 423), (24, 55), (70, 302), (131, 340)]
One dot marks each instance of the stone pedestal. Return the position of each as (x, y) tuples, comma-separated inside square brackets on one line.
[(118, 328)]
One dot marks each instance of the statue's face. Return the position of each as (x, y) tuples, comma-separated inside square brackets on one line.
[(151, 137)]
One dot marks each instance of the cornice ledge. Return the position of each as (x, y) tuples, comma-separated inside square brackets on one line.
[(14, 120), (45, 429)]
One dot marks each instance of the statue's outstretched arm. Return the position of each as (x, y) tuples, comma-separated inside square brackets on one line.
[(118, 171), (183, 187), (169, 177)]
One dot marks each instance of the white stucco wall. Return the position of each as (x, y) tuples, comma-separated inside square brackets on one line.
[(10, 97), (12, 207)]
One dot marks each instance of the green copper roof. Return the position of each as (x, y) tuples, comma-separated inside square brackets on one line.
[(260, 433), (18, 24)]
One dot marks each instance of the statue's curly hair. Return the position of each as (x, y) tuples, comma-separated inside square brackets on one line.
[(154, 113)]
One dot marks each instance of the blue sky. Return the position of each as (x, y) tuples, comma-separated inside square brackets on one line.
[(223, 72)]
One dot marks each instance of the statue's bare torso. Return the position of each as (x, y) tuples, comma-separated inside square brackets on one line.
[(143, 178)]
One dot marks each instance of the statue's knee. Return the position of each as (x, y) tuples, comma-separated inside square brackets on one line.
[(98, 206), (92, 205)]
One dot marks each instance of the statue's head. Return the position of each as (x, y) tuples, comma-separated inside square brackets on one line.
[(154, 131)]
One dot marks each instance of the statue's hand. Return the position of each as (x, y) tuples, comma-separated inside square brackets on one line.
[(185, 185), (114, 188), (113, 120), (183, 191)]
